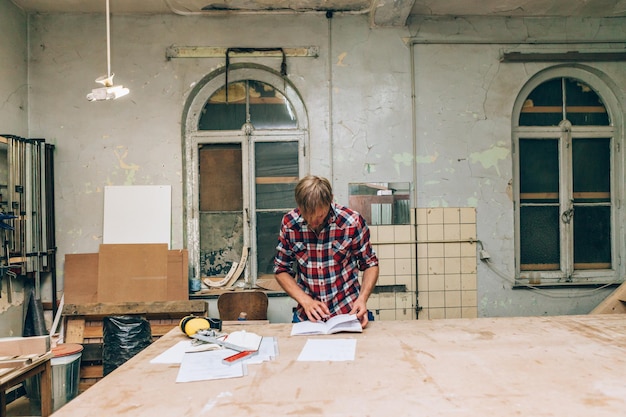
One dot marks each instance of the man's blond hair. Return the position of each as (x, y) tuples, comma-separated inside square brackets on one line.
[(313, 192)]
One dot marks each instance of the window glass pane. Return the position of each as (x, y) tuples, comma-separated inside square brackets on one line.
[(221, 208), (221, 184), (269, 109), (539, 170), (276, 173), (221, 242), (584, 106), (592, 170), (544, 105), (218, 114), (268, 227), (592, 237), (539, 238)]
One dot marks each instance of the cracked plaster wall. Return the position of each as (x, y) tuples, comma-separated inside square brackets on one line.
[(464, 97)]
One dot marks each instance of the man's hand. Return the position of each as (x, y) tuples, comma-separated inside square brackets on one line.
[(316, 310), (360, 309)]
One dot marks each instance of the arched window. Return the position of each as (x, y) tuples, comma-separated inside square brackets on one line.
[(567, 180), (245, 148), (247, 101)]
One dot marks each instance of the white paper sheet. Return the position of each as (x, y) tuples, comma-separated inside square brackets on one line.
[(176, 353), (267, 351), (201, 366), (316, 350)]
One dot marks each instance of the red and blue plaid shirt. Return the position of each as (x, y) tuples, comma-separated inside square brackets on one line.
[(326, 266)]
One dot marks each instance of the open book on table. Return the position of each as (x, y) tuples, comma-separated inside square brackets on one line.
[(336, 324)]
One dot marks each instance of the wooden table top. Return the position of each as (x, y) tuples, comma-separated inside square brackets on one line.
[(7, 375), (526, 366)]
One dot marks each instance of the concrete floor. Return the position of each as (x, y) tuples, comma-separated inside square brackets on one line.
[(22, 407)]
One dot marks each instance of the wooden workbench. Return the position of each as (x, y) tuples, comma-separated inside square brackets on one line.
[(39, 365), (539, 366)]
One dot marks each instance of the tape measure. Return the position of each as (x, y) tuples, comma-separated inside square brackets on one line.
[(190, 325)]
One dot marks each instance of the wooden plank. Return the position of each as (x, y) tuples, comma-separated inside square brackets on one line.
[(177, 274), (157, 308), (17, 346), (93, 332), (81, 278), (615, 303), (176, 51), (276, 180), (74, 330), (128, 272), (91, 371), (221, 183), (17, 362)]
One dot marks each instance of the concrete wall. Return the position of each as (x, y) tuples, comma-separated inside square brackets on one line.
[(137, 139), (13, 120), (455, 146), (465, 98)]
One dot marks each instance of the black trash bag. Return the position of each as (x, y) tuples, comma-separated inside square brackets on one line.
[(124, 337)]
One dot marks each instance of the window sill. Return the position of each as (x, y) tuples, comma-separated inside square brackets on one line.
[(525, 285)]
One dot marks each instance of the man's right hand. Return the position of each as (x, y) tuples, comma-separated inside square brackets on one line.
[(316, 310)]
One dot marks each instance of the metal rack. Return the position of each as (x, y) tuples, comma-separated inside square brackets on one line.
[(29, 244)]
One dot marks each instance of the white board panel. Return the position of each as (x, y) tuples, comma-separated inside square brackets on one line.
[(137, 214)]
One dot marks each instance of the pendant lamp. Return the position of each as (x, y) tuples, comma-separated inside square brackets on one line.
[(108, 91)]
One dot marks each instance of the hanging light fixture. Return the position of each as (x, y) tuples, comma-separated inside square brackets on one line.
[(108, 91)]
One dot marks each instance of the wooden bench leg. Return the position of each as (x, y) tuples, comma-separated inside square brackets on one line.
[(46, 390)]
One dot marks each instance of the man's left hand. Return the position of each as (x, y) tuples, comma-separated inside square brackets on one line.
[(360, 309)]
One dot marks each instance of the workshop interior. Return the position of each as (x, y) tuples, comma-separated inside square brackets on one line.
[(149, 150)]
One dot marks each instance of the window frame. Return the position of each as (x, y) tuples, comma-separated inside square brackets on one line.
[(566, 275), (193, 138)]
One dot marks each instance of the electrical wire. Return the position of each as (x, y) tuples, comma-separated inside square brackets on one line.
[(541, 291)]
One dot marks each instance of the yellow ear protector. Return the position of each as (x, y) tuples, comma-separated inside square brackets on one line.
[(190, 325)]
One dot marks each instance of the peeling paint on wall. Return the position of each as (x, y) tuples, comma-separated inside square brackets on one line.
[(509, 189), (404, 158), (340, 60), (368, 168), (491, 156), (121, 153), (427, 159), (437, 203)]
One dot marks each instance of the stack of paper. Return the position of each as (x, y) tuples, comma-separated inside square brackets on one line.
[(205, 361)]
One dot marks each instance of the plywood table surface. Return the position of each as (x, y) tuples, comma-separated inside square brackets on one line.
[(529, 366)]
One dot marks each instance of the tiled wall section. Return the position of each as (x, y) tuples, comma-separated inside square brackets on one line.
[(435, 260)]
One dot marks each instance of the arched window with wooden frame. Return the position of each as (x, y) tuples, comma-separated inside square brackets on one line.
[(245, 149), (568, 180)]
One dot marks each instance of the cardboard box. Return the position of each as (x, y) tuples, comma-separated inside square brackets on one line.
[(127, 273)]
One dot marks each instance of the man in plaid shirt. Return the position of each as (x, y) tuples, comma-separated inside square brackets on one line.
[(322, 246)]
